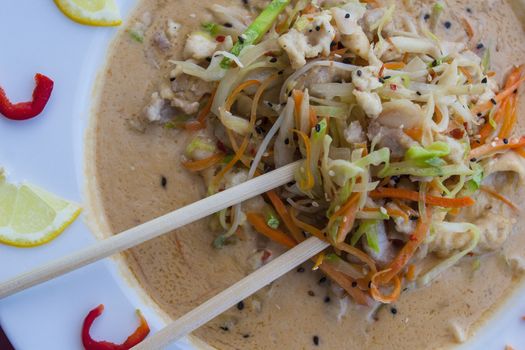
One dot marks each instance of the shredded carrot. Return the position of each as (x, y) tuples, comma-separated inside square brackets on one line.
[(394, 65), (520, 151), (353, 198), (500, 197), (258, 222), (239, 152), (438, 114), (390, 212), (467, 74), (376, 293), (411, 272), (386, 192), (318, 261), (358, 254), (200, 122), (298, 101), (280, 208), (347, 221), (491, 74), (309, 9), (201, 164), (313, 118), (415, 133), (408, 250), (405, 208), (346, 283), (306, 227), (484, 107), (510, 117), (468, 27), (487, 129), (497, 147), (307, 184)]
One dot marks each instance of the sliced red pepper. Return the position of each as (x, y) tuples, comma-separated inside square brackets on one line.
[(28, 110), (90, 344)]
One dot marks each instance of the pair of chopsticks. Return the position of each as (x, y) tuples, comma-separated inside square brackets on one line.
[(168, 222)]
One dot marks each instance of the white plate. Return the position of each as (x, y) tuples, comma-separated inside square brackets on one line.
[(48, 150)]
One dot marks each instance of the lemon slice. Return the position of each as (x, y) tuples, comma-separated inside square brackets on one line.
[(91, 12), (31, 216)]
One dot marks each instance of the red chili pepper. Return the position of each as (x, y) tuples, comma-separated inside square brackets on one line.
[(220, 38), (28, 110), (90, 344)]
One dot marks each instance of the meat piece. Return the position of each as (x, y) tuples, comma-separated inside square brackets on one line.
[(352, 35), (365, 79), (354, 133), (188, 91), (392, 138), (154, 108), (314, 39), (401, 113), (199, 46), (321, 75), (370, 102)]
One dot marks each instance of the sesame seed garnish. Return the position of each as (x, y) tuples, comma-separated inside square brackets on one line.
[(311, 293), (448, 24), (494, 102), (484, 80), (393, 310), (300, 269), (240, 305), (273, 59), (322, 280), (318, 28), (480, 46), (505, 141), (316, 340), (347, 15), (327, 299)]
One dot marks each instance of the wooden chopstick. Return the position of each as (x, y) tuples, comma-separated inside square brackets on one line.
[(234, 294), (150, 229)]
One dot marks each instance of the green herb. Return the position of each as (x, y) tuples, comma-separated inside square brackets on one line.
[(257, 29), (485, 61), (138, 37), (436, 150), (211, 28), (272, 220)]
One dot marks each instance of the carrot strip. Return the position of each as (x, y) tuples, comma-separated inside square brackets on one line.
[(231, 99), (399, 193), (313, 118), (467, 74), (346, 283), (394, 65), (280, 208), (468, 27), (408, 250), (411, 272), (484, 107), (307, 227), (382, 298), (390, 212), (298, 101), (496, 147), (348, 220), (500, 197), (487, 129), (520, 151), (510, 117), (309, 176), (258, 222), (415, 133), (201, 164), (358, 254)]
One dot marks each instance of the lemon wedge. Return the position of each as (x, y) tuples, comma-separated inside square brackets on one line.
[(103, 13), (31, 216)]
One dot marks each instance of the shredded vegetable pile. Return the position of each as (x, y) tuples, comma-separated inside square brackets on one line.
[(394, 127)]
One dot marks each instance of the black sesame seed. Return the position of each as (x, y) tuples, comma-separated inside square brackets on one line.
[(381, 80), (316, 340), (359, 73), (354, 284), (469, 10), (480, 46), (386, 77), (259, 129), (322, 280), (310, 30), (326, 299), (494, 102), (479, 114), (300, 269), (173, 78), (484, 80), (286, 141), (418, 93), (240, 305), (317, 127), (393, 310), (163, 181), (228, 25), (246, 336), (280, 72), (224, 328), (347, 15), (311, 293), (318, 28), (448, 24), (426, 17), (413, 217), (473, 159), (273, 59), (506, 141)]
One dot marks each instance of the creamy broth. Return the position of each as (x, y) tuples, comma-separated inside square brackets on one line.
[(138, 177)]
